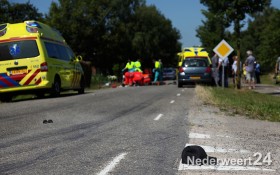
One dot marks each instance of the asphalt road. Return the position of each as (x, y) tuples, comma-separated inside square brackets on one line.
[(134, 130)]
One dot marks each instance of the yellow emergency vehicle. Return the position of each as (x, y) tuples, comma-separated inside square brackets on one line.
[(35, 58), (192, 52)]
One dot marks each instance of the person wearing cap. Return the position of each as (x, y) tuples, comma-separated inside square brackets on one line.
[(250, 69)]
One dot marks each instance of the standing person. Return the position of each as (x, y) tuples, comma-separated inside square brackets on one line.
[(250, 69), (156, 70), (234, 69), (223, 63), (258, 72), (215, 72)]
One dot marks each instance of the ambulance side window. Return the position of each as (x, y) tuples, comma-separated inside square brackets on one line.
[(52, 50), (57, 51), (63, 53)]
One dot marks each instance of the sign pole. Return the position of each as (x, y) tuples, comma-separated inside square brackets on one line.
[(223, 75), (223, 49)]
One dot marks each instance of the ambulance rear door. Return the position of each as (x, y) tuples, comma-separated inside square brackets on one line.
[(19, 62)]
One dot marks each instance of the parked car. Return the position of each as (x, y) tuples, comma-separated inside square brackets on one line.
[(169, 73), (195, 70)]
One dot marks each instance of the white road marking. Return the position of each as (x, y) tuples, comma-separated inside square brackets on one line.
[(172, 101), (198, 136), (112, 164), (183, 167), (183, 90), (211, 149), (158, 117), (194, 135), (178, 95)]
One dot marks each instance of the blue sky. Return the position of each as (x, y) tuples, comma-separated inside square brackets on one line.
[(185, 15)]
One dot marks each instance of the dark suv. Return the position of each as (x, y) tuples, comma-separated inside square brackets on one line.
[(195, 70)]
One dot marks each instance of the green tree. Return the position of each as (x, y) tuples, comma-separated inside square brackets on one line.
[(213, 30), (18, 12), (154, 37), (235, 11), (263, 36), (109, 32), (4, 11), (93, 28)]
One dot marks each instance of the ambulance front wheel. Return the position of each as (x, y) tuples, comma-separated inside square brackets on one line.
[(56, 88)]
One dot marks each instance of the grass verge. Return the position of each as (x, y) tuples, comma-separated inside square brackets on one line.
[(243, 102), (267, 79)]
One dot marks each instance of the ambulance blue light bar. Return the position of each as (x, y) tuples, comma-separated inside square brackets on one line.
[(33, 24)]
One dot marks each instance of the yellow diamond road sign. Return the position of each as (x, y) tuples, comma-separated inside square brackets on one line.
[(223, 49)]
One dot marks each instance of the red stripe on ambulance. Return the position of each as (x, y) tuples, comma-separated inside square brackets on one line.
[(38, 81), (32, 77)]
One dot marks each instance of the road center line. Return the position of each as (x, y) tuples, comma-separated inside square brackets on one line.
[(112, 164), (172, 101), (178, 95), (158, 117)]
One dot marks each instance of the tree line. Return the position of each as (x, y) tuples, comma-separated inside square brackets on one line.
[(249, 25), (108, 32)]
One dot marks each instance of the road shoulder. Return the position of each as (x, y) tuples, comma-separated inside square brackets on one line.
[(232, 137)]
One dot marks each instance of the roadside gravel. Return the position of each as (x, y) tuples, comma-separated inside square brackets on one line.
[(232, 137)]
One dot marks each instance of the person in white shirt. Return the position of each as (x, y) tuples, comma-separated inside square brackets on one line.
[(234, 69)]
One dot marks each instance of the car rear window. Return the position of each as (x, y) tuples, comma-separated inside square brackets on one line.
[(195, 62), (18, 50)]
